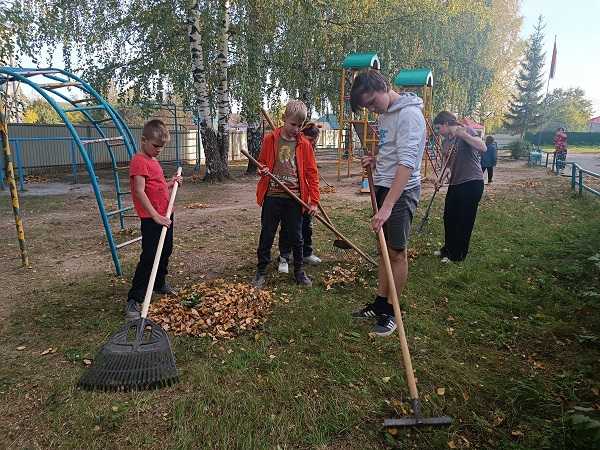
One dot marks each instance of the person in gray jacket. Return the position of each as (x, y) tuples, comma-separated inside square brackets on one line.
[(397, 180)]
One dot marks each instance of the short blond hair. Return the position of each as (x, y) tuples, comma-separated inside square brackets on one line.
[(295, 110), (156, 129)]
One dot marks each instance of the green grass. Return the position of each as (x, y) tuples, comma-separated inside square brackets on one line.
[(511, 334), (574, 149)]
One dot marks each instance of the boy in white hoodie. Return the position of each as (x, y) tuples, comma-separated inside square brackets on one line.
[(397, 179)]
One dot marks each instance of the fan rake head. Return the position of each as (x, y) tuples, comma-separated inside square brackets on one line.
[(137, 357)]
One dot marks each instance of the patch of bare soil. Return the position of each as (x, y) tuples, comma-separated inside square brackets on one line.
[(66, 241)]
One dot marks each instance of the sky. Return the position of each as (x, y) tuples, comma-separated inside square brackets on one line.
[(576, 24)]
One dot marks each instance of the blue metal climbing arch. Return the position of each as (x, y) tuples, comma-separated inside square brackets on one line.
[(50, 84)]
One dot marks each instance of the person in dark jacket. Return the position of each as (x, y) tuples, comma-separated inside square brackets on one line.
[(489, 158)]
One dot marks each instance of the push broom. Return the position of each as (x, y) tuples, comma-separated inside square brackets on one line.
[(417, 419), (139, 355), (344, 241)]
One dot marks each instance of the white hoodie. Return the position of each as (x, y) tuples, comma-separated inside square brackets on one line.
[(401, 141)]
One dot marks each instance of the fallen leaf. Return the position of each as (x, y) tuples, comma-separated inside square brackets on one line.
[(45, 352), (386, 379), (517, 433), (115, 408), (440, 391), (21, 347), (87, 362), (451, 444), (272, 356), (466, 396)]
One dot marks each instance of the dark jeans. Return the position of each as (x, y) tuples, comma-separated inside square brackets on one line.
[(150, 237), (490, 171), (460, 211), (285, 248), (289, 213)]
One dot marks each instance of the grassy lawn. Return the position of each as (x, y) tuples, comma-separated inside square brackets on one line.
[(512, 335), (574, 149)]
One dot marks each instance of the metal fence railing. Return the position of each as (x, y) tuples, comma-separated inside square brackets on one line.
[(582, 180), (578, 180), (49, 149)]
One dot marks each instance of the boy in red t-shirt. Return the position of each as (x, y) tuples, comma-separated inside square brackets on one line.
[(150, 192)]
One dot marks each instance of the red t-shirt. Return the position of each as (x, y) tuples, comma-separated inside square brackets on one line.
[(156, 186)]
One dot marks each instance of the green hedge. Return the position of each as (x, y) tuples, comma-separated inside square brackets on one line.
[(574, 138)]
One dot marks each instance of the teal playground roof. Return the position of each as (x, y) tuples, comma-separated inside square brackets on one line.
[(362, 61), (414, 77)]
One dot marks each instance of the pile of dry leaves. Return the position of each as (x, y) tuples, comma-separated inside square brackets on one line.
[(326, 189), (197, 206), (217, 309), (339, 276)]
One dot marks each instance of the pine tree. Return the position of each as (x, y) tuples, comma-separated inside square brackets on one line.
[(525, 111)]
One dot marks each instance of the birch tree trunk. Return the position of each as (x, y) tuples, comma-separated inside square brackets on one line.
[(216, 168), (253, 82), (223, 105)]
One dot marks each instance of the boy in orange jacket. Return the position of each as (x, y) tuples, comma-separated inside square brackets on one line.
[(288, 155)]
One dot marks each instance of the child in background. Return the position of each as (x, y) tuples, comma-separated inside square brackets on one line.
[(150, 193), (311, 131), (560, 149), (489, 158)]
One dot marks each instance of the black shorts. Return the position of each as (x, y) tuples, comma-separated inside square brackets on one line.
[(397, 227)]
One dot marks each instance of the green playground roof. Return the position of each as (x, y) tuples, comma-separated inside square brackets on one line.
[(361, 61), (414, 77)]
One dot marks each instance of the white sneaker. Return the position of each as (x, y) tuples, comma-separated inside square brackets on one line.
[(283, 265), (313, 260), (445, 260)]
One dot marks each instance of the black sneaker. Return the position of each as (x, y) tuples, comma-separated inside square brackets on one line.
[(303, 280), (368, 312), (259, 280), (132, 310), (166, 289), (386, 325)]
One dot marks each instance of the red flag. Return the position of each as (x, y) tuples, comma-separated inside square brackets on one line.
[(553, 63)]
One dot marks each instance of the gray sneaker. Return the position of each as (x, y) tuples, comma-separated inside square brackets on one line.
[(132, 310), (303, 280), (283, 266), (259, 280), (313, 260), (386, 325), (166, 289)]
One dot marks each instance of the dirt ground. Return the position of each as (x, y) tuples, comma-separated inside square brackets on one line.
[(66, 242)]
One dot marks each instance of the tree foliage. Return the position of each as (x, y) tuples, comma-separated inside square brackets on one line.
[(568, 108), (525, 112), (282, 47)]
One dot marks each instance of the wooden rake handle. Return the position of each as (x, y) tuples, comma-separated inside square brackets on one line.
[(393, 295), (305, 205), (161, 242)]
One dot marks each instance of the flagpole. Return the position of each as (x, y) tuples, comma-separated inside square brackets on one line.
[(550, 76)]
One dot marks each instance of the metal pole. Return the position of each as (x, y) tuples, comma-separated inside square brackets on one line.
[(19, 166), (573, 175), (10, 173), (580, 182), (74, 163)]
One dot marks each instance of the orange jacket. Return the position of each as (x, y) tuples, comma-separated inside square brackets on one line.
[(308, 176)]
